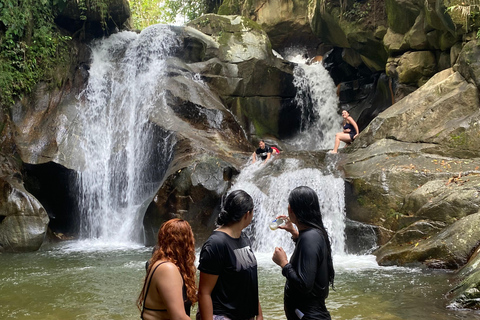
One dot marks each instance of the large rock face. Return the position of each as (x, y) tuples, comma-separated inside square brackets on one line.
[(246, 67), (414, 171), (286, 22)]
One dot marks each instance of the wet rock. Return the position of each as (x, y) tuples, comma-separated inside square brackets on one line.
[(193, 193), (23, 220), (466, 293)]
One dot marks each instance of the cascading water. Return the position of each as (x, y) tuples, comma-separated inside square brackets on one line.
[(317, 98), (125, 155), (270, 194)]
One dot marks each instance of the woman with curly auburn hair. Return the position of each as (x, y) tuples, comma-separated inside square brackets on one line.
[(169, 288)]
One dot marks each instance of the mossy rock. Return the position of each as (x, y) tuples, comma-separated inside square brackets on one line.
[(402, 14)]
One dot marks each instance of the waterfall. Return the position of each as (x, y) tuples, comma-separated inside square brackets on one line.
[(318, 101), (317, 98), (270, 194), (125, 154)]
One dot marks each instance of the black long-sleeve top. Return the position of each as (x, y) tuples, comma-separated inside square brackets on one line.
[(306, 287)]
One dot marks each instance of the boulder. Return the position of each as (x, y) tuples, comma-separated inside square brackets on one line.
[(445, 202), (23, 220), (243, 66), (417, 175), (445, 111), (351, 27), (285, 22), (466, 293), (436, 15), (394, 43), (192, 192), (451, 248), (414, 67), (402, 14), (468, 64)]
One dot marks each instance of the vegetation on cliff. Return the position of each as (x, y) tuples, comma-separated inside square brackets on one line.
[(30, 45), (148, 12)]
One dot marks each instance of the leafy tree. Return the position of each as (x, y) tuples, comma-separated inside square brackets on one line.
[(30, 44), (148, 12)]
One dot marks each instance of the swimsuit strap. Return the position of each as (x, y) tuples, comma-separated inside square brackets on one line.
[(148, 287)]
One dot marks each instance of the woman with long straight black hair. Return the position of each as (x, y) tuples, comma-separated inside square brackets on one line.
[(310, 270)]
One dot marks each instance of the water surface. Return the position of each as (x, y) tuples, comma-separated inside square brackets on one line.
[(71, 281)]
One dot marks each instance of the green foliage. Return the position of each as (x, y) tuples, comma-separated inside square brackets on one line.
[(358, 12), (466, 10), (30, 44), (98, 6), (148, 12)]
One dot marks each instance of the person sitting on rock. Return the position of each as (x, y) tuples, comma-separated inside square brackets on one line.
[(264, 152), (350, 131)]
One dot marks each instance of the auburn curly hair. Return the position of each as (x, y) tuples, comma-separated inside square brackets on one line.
[(175, 244)]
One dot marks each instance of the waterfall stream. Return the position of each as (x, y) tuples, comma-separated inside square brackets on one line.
[(317, 98), (125, 154), (270, 194)]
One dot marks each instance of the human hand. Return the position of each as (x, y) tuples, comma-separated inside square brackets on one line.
[(288, 226), (280, 257), (355, 136)]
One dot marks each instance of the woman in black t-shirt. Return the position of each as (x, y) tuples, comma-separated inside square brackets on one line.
[(228, 287), (310, 270)]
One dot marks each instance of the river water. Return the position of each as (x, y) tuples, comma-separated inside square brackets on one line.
[(84, 280), (91, 279)]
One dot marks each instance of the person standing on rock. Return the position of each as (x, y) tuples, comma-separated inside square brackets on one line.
[(349, 133), (310, 270)]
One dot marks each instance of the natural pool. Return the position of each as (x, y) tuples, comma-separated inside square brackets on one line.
[(86, 281)]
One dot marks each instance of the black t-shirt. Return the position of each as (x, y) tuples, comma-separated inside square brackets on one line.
[(306, 287), (263, 153), (235, 294)]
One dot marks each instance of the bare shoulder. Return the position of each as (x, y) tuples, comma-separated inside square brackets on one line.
[(166, 268)]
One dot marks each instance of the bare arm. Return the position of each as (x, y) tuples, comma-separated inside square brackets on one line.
[(254, 156), (260, 313), (170, 287), (205, 288)]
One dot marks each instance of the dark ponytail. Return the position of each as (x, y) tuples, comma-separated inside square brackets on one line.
[(305, 205), (235, 206)]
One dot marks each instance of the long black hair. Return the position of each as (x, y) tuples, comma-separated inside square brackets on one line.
[(235, 206), (305, 205)]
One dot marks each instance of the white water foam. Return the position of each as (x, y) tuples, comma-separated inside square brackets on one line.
[(270, 195), (122, 155), (317, 98)]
